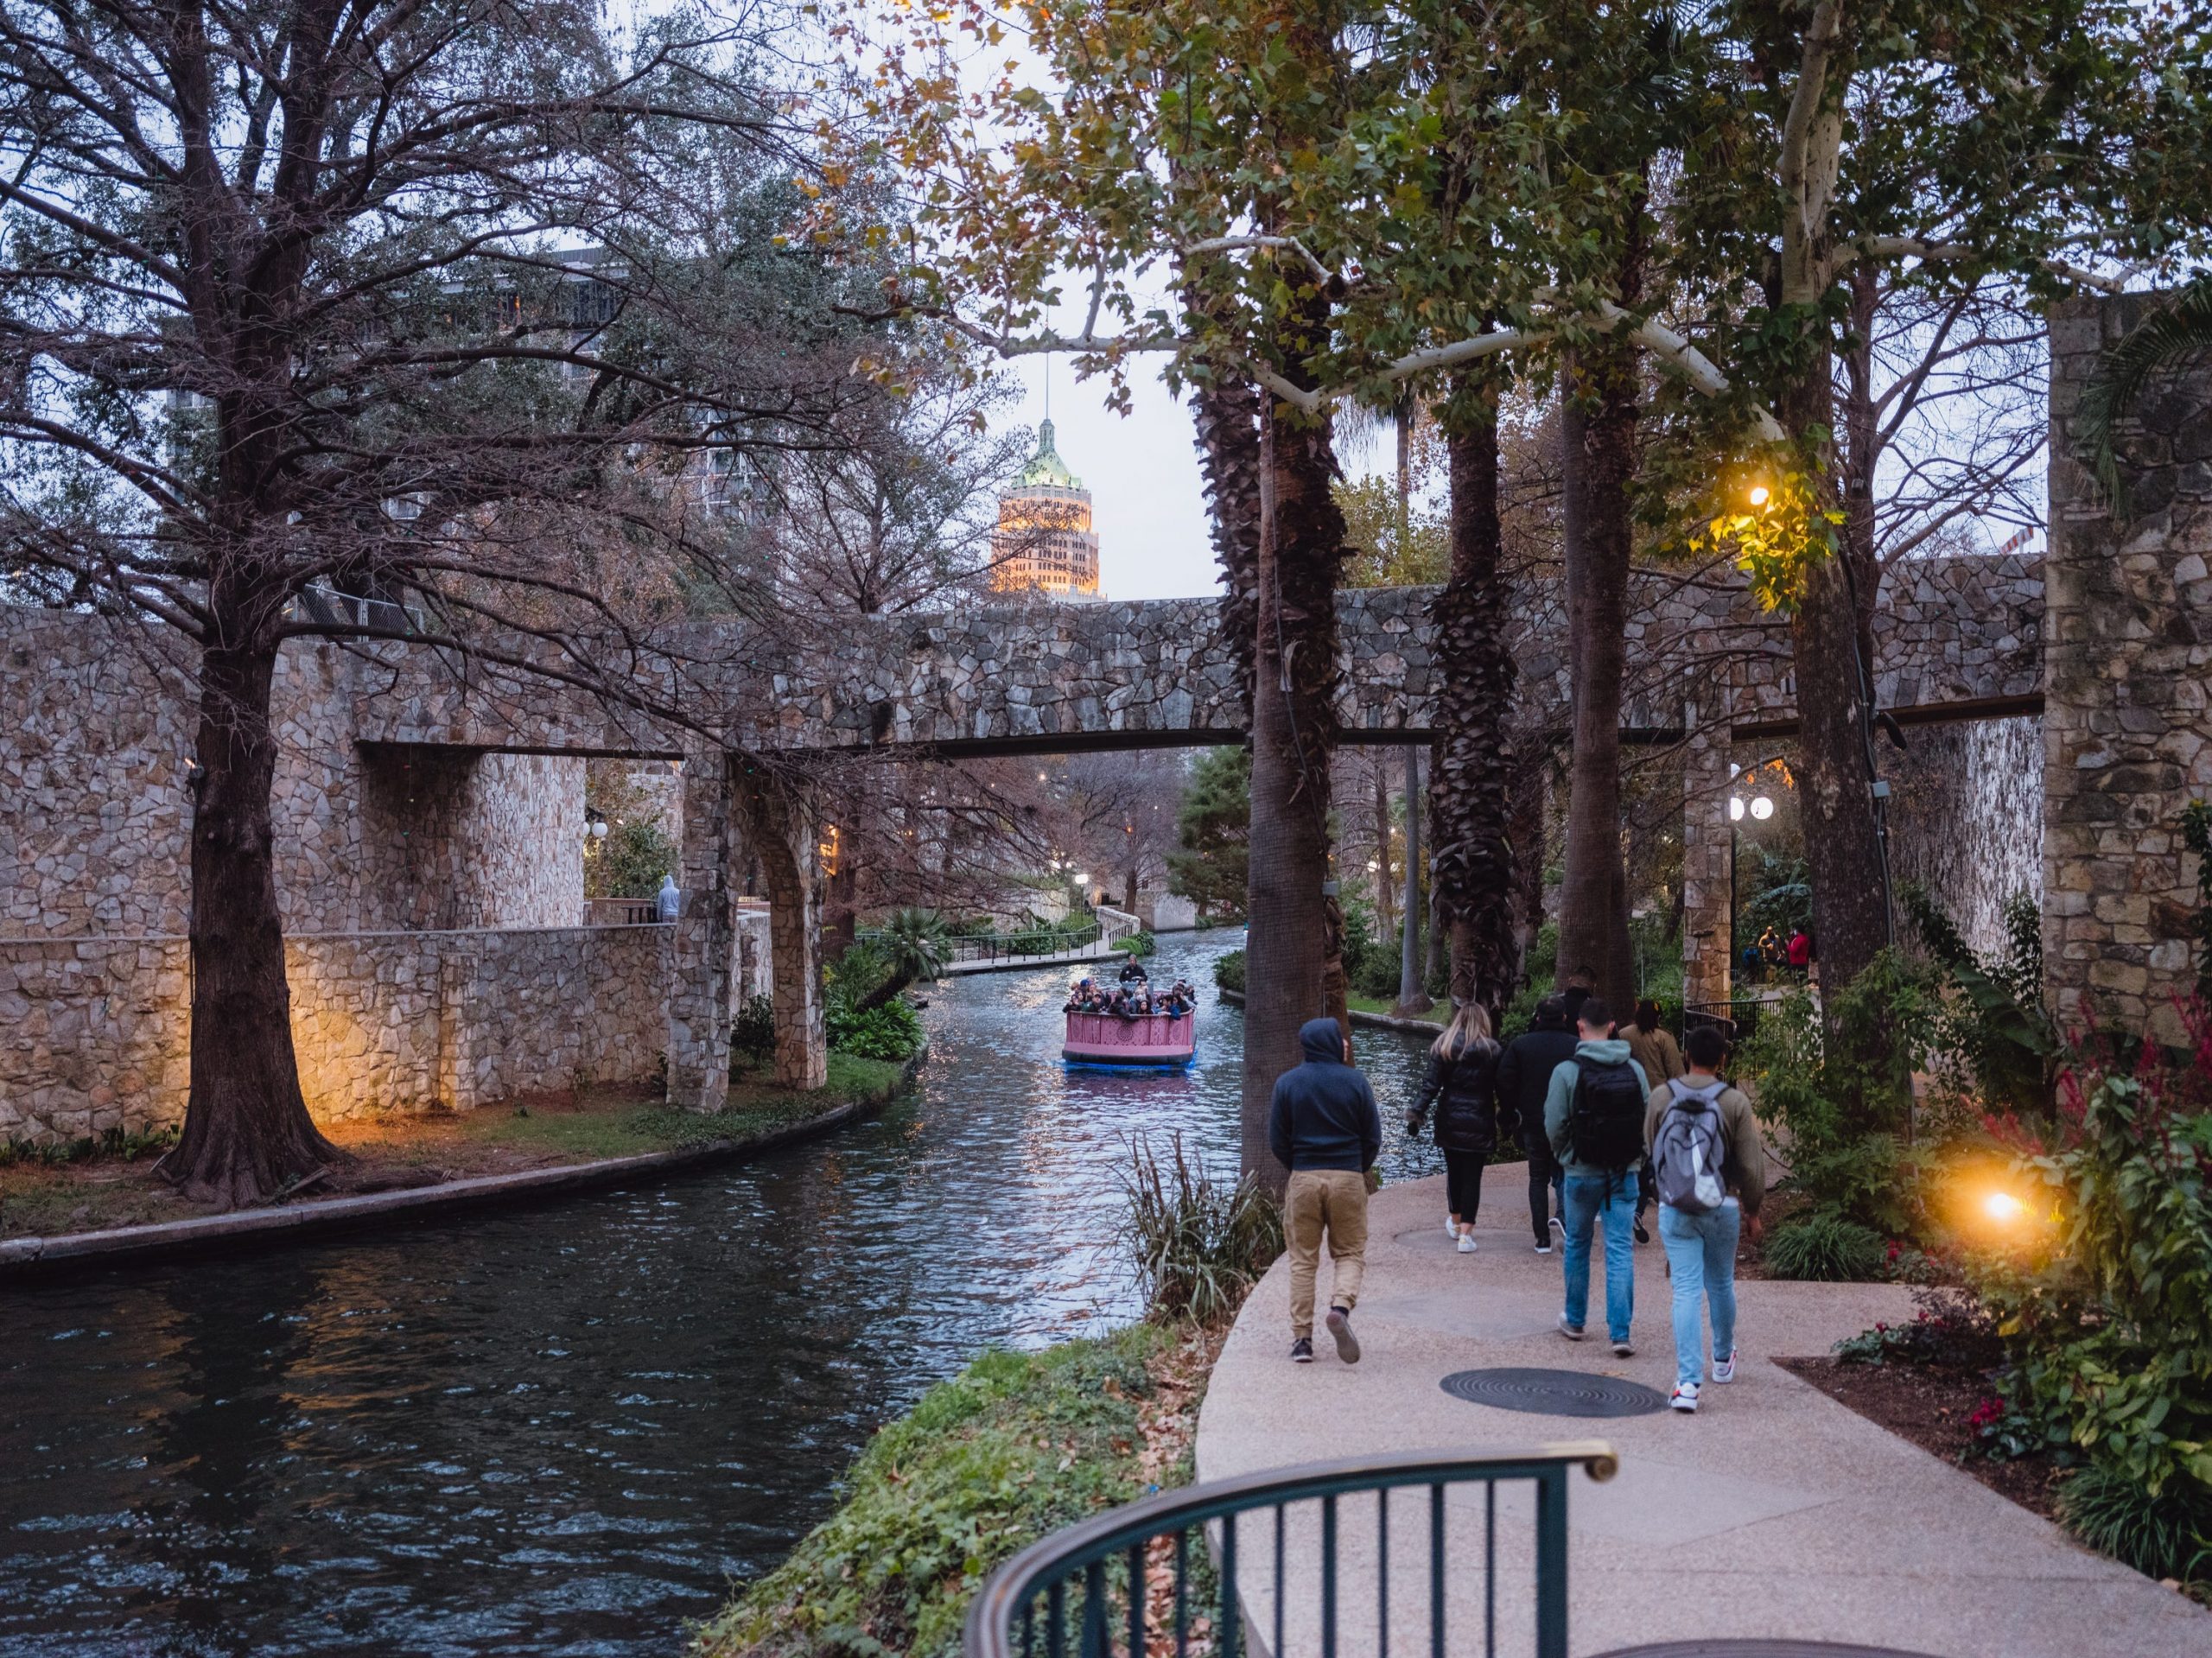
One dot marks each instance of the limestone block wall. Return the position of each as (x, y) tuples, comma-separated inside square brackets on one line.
[(1966, 820), (2127, 732), (454, 838), (93, 1031)]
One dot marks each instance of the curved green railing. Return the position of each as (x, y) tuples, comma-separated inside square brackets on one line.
[(1079, 1579)]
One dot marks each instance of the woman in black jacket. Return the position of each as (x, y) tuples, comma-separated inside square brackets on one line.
[(1462, 1083)]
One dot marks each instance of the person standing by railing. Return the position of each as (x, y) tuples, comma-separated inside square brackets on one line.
[(1323, 1127)]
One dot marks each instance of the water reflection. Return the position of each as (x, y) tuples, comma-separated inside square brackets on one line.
[(565, 1430)]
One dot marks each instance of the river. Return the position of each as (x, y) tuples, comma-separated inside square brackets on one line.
[(568, 1429)]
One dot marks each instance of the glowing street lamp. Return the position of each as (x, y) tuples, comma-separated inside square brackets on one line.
[(2003, 1208), (1760, 496), (1761, 808)]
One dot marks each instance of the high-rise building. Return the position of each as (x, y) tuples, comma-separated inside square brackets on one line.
[(1045, 542)]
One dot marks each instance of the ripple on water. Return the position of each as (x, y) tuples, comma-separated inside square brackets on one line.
[(321, 1450)]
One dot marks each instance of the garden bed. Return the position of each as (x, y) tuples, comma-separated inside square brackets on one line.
[(394, 1154)]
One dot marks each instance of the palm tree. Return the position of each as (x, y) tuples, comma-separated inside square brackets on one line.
[(2169, 335), (913, 944)]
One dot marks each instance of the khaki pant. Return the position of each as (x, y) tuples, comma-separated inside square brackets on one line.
[(1333, 1201)]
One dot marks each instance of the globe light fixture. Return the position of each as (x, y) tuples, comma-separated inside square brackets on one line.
[(1083, 880), (1760, 496), (2003, 1208), (1735, 809), (1761, 808)]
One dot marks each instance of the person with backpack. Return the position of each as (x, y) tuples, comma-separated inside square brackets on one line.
[(1323, 1127), (1524, 1077), (1593, 1113), (1711, 1172), (1652, 1046), (1462, 1083)]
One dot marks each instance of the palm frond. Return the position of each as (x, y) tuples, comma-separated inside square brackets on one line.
[(2169, 335)]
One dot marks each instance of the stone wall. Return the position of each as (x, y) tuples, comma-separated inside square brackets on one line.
[(454, 838), (2127, 732)]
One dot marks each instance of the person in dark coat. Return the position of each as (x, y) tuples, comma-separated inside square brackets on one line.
[(1462, 1084), (1323, 1127), (1523, 1075)]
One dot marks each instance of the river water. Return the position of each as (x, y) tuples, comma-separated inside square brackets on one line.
[(568, 1429)]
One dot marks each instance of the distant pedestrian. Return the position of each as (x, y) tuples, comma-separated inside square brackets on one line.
[(1651, 1044), (1462, 1083), (668, 902), (1711, 1171), (1323, 1127), (1754, 964), (1524, 1077), (1580, 986), (1801, 952), (1593, 1112)]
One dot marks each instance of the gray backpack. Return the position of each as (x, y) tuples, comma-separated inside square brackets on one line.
[(1689, 1152)]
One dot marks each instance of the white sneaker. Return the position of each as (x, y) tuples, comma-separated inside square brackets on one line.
[(1685, 1397), (1573, 1332), (1725, 1369), (1623, 1350), (1543, 1248), (1467, 1243), (1451, 1227)]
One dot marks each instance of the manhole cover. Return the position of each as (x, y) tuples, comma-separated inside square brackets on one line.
[(1555, 1393)]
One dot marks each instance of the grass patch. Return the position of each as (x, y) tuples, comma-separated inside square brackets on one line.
[(1016, 1446), (1360, 1004)]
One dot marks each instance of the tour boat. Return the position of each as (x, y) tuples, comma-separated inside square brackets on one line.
[(1151, 1041)]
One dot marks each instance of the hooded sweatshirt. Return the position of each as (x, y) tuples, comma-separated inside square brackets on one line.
[(1559, 1098), (1323, 1116)]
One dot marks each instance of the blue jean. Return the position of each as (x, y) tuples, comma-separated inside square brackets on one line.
[(1701, 1255), (1585, 1200)]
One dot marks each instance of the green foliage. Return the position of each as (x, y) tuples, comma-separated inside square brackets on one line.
[(1384, 553), (911, 945), (1137, 944), (630, 861), (1993, 1037), (2103, 1310), (1844, 1107), (1539, 967), (1228, 970), (1014, 1448), (2160, 1534), (1778, 540), (1781, 898), (1198, 1243), (1825, 1247), (856, 1020), (1214, 824), (1371, 961), (753, 1033), (118, 1144)]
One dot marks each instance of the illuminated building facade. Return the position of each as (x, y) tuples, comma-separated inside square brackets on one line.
[(1045, 542)]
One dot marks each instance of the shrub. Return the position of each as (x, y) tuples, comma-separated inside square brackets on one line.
[(891, 1032), (1137, 944), (1992, 1038), (2161, 1534), (1198, 1243), (630, 861), (1229, 971), (123, 1144), (753, 1031), (1371, 960), (1825, 1247)]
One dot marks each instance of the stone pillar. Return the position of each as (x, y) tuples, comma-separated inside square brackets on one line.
[(783, 830), (1707, 964), (698, 1001), (2127, 667)]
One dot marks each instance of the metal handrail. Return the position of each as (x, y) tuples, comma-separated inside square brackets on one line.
[(1078, 1564)]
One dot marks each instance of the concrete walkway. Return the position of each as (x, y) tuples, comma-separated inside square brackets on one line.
[(1773, 1512)]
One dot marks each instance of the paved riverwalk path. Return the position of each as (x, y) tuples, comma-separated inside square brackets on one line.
[(1773, 1512)]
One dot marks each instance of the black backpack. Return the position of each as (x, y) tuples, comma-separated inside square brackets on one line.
[(1605, 1120)]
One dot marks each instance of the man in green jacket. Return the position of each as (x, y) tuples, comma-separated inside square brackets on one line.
[(1593, 1116), (1699, 1234)]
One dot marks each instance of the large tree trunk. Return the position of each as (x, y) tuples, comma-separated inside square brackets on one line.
[(1386, 893), (1471, 855), (1601, 465), (1413, 989), (247, 1134), (1227, 415), (1294, 958)]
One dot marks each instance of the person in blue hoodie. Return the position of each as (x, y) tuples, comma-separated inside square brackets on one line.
[(1323, 1127), (1593, 1115)]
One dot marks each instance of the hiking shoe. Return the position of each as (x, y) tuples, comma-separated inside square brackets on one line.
[(1685, 1397), (1302, 1351), (1573, 1332), (1623, 1350), (1340, 1322), (1467, 1243), (1725, 1369)]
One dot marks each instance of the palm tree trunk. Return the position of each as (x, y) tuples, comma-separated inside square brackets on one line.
[(1471, 852), (1294, 950), (1412, 993), (1386, 893)]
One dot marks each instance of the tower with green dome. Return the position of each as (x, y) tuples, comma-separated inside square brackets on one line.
[(1045, 542)]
